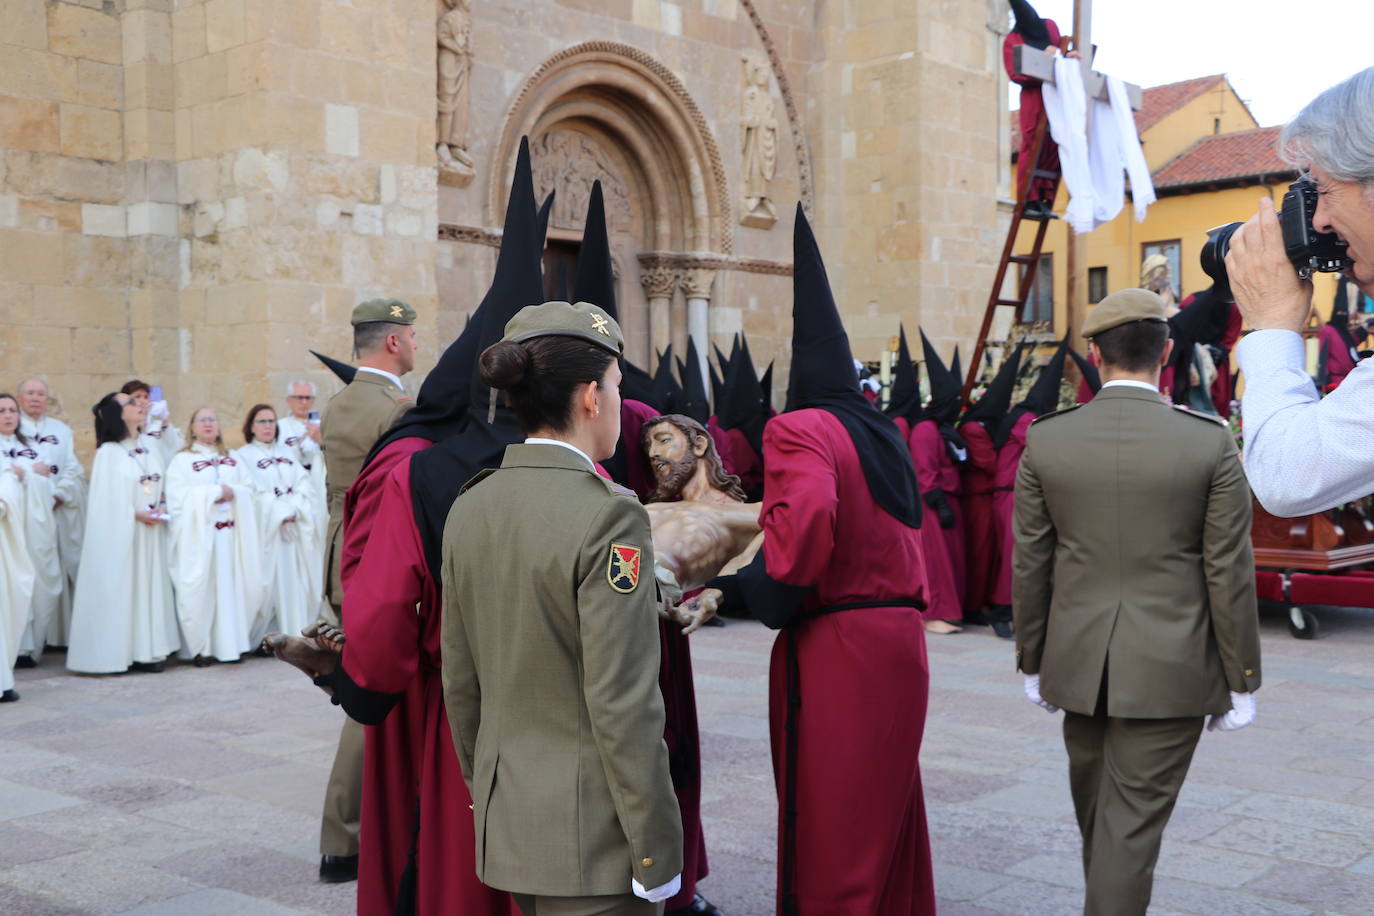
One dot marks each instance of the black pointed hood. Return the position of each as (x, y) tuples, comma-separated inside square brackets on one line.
[(957, 370), (996, 400), (342, 371), (1029, 25), (945, 389), (905, 398), (439, 472), (541, 219), (667, 391), (1043, 396), (1202, 322), (595, 278), (766, 387), (742, 407), (694, 403), (1091, 376), (717, 382), (823, 376)]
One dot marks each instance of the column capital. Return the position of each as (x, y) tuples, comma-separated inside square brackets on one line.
[(659, 280), (696, 282)]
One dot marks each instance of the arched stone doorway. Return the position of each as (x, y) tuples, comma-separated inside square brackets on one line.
[(609, 111)]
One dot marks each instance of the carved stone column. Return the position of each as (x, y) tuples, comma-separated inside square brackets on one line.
[(660, 281), (696, 283)]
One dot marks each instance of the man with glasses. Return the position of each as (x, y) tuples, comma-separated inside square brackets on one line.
[(300, 431)]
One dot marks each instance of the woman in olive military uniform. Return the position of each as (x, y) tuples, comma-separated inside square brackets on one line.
[(550, 639)]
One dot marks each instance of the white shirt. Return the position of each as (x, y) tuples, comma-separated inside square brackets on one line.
[(1303, 454), (395, 379), (536, 440), (1130, 383)]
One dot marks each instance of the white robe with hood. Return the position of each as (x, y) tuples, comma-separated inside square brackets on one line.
[(284, 491)]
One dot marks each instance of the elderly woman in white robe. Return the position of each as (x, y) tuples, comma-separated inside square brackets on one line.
[(286, 526), (123, 617), (16, 569), (53, 441), (17, 453), (216, 558)]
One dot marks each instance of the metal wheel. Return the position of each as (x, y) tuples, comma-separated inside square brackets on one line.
[(1301, 624)]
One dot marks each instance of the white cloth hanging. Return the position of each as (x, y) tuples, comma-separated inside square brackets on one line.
[(1093, 161)]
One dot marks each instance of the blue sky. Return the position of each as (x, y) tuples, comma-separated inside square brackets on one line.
[(1278, 55)]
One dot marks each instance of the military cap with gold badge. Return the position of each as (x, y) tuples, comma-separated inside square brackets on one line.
[(393, 311), (565, 319), (1125, 307)]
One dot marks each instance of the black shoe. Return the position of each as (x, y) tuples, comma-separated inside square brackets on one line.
[(1003, 629), (976, 619), (202, 661), (148, 667), (699, 906), (25, 661), (262, 651), (9, 696), (338, 869)]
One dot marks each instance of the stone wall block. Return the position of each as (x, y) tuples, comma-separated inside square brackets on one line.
[(79, 32), (188, 32), (38, 75), (30, 257), (152, 218), (46, 175), (49, 215), (26, 23), (255, 170), (225, 24), (94, 261), (29, 124), (388, 137), (341, 130), (149, 134), (150, 85), (103, 219), (346, 31), (9, 211), (41, 345)]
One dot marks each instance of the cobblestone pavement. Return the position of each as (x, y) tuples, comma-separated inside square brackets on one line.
[(197, 791)]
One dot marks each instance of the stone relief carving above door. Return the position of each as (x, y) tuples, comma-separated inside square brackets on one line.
[(570, 161)]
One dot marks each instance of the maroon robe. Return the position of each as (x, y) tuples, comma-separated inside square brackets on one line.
[(942, 548), (724, 445), (982, 547), (1339, 362), (1004, 485), (1028, 115), (633, 415), (410, 770), (856, 681), (748, 463)]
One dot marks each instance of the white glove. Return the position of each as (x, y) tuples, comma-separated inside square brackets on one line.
[(158, 411), (657, 894), (1033, 694), (1241, 714)]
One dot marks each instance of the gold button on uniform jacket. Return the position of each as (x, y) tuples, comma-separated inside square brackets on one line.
[(551, 660), (1133, 558)]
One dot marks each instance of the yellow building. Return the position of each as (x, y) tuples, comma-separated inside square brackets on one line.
[(1211, 163)]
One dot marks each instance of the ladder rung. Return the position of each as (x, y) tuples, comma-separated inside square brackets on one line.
[(1021, 259), (1013, 302)]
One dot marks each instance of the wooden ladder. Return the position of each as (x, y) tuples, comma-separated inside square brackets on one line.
[(1029, 260)]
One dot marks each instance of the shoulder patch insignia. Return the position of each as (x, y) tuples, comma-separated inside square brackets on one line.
[(1056, 413), (1199, 414), (622, 569)]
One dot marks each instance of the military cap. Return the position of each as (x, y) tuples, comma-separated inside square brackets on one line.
[(393, 311), (1124, 307), (584, 320)]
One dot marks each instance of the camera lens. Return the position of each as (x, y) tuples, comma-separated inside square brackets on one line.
[(1213, 255)]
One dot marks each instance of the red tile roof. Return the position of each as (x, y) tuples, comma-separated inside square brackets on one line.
[(1224, 157), (1160, 101)]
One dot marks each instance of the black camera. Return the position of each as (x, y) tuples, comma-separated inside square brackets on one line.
[(1308, 249)]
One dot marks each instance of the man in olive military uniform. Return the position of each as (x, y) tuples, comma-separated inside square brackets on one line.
[(384, 344), (1134, 594), (550, 652)]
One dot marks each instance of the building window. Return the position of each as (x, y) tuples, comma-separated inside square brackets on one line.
[(1040, 300), (1171, 251), (560, 268), (1097, 284)]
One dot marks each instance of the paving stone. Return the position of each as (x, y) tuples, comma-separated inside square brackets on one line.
[(18, 800), (954, 882), (1305, 884), (1291, 842), (213, 902)]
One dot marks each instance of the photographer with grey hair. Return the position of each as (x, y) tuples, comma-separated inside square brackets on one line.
[(1303, 453)]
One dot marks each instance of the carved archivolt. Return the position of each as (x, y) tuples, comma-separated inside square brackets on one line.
[(677, 143)]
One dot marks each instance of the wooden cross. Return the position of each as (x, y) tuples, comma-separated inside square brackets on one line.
[(1032, 62)]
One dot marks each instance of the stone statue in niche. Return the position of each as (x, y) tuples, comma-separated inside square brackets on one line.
[(759, 131), (454, 93)]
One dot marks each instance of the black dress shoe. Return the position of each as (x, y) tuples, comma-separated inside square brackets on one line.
[(148, 667), (338, 869), (699, 906), (25, 661), (9, 696), (1003, 629), (202, 661)]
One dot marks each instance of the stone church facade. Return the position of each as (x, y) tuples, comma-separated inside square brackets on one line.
[(194, 192)]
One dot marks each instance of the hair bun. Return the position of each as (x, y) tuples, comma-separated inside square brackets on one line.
[(504, 365)]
